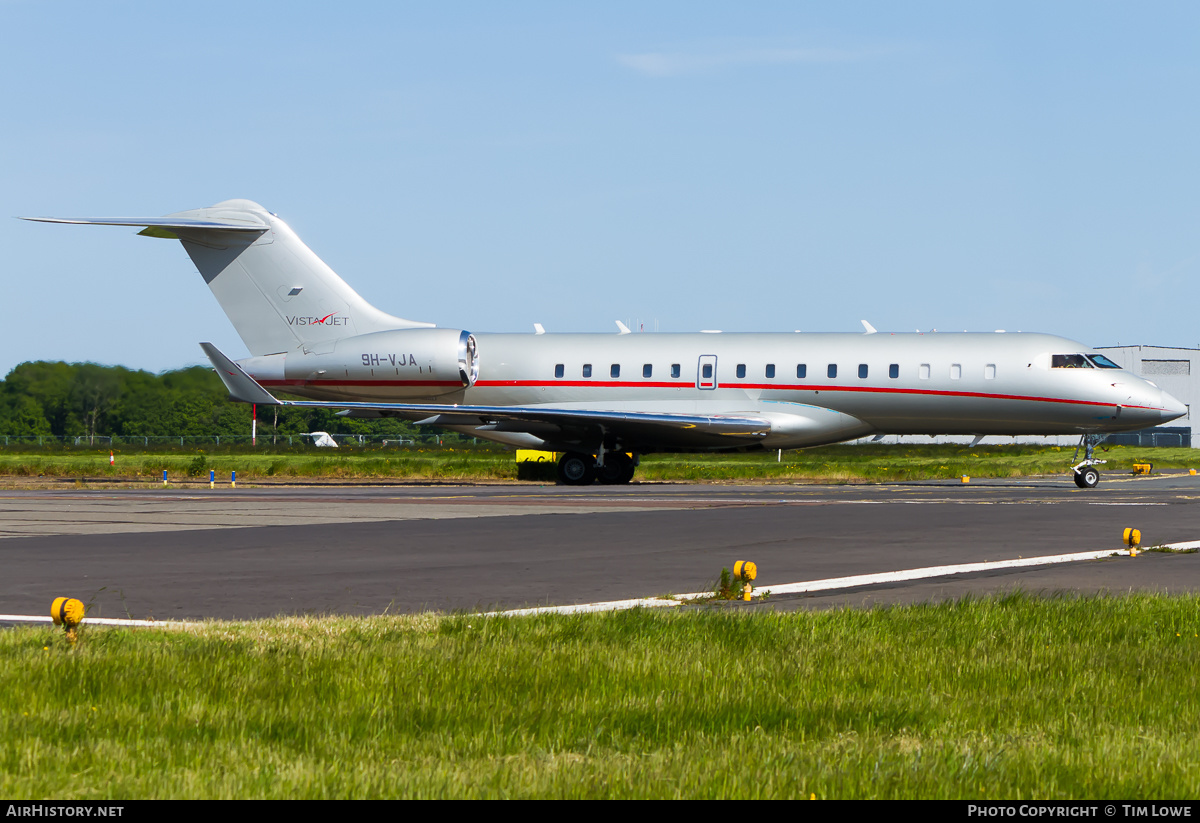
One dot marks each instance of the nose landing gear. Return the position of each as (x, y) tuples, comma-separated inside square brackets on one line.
[(1085, 473)]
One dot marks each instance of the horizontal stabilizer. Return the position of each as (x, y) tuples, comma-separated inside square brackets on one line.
[(161, 226)]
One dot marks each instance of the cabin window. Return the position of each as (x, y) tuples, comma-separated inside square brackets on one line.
[(894, 370), (707, 371), (862, 371), (801, 370), (614, 370), (587, 369), (770, 370), (741, 370), (675, 370), (832, 370), (647, 370), (924, 371), (1069, 361), (989, 371), (955, 371), (560, 370)]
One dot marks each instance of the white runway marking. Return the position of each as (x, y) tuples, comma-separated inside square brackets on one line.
[(100, 621), (609, 606), (854, 581)]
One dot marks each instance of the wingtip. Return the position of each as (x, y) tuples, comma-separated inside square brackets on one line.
[(240, 385)]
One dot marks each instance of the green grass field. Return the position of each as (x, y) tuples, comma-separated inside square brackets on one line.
[(1005, 698), (858, 463)]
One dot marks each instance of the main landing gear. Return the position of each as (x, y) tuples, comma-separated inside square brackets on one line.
[(579, 469), (1085, 473)]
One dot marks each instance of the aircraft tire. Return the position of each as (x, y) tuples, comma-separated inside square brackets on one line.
[(1087, 478), (576, 469), (630, 469), (618, 468)]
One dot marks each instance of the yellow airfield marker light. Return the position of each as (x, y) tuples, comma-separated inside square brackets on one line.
[(966, 478), (745, 571), (1133, 539), (68, 613), (1143, 468), (1191, 471)]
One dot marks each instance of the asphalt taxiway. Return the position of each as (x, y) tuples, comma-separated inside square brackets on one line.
[(258, 552)]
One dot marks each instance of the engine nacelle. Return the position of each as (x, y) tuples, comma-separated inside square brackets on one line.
[(397, 364)]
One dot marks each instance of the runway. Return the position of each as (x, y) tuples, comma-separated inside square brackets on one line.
[(259, 552)]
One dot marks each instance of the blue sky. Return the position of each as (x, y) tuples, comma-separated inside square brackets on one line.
[(747, 167)]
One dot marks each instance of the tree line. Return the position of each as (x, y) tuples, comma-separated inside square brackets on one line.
[(87, 399)]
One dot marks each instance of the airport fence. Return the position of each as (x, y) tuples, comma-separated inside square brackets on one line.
[(105, 442)]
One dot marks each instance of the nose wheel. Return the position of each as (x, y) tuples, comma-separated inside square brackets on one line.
[(1085, 473)]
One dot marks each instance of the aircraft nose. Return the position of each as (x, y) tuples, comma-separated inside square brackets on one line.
[(1172, 408)]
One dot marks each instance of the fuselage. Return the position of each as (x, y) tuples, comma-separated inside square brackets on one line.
[(312, 335), (851, 385)]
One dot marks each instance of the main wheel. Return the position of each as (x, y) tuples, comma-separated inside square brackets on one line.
[(575, 469), (630, 468), (618, 468), (1087, 477)]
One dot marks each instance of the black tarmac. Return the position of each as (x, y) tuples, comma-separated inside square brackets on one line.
[(260, 552)]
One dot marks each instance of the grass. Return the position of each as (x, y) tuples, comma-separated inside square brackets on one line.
[(857, 463), (1004, 698), (184, 466)]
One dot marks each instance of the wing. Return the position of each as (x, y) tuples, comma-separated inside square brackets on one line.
[(573, 425)]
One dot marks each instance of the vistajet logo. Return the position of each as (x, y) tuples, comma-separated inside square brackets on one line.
[(328, 320)]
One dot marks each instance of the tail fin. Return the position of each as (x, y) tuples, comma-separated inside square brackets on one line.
[(278, 294)]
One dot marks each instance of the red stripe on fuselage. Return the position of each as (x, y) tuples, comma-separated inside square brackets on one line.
[(799, 387), (648, 384)]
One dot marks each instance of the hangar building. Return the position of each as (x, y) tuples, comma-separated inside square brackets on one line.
[(1175, 371)]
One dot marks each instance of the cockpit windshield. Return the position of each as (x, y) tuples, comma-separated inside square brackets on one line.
[(1069, 361), (1102, 362)]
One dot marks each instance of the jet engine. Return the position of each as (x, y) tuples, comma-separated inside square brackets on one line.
[(399, 364)]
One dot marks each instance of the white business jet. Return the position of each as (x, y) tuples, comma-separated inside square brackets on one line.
[(604, 400)]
